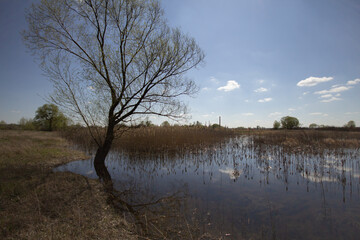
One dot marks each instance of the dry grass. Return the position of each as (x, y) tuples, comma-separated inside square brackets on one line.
[(36, 203), (170, 139), (182, 139), (34, 148), (308, 139), (156, 139), (63, 206)]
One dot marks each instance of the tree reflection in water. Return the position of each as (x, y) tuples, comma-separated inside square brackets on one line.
[(155, 217), (237, 189)]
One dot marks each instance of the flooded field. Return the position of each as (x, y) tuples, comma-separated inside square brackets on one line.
[(238, 189)]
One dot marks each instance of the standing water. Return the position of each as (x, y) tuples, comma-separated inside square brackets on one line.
[(236, 190)]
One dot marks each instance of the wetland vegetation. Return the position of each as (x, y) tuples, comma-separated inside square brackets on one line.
[(182, 182), (201, 182)]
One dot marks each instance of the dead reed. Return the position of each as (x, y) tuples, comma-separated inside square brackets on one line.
[(156, 139), (308, 139)]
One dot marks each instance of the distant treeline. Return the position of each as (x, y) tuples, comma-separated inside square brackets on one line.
[(28, 125), (330, 128)]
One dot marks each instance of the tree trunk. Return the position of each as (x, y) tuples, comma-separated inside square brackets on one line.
[(102, 152)]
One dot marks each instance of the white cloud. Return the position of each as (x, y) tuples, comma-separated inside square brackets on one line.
[(351, 113), (265, 100), (233, 173), (353, 82), (319, 114), (262, 89), (248, 114), (247, 100), (261, 81), (291, 109), (230, 85), (326, 96), (335, 89), (313, 81), (331, 99), (305, 93), (205, 89), (274, 114)]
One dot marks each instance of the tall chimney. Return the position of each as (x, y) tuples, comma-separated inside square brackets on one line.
[(219, 120)]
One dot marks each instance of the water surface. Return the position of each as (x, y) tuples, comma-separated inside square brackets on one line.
[(235, 190)]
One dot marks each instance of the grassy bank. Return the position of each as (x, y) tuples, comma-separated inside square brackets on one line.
[(36, 203)]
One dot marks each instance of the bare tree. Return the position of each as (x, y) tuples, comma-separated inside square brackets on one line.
[(111, 61)]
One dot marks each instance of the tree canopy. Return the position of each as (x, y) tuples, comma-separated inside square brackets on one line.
[(289, 122), (276, 124), (112, 62), (48, 118), (350, 124)]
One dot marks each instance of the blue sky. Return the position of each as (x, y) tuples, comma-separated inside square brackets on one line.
[(264, 59)]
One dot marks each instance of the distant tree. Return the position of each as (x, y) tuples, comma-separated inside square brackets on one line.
[(198, 124), (146, 123), (276, 124), (165, 124), (350, 124), (313, 125), (215, 125), (49, 118), (27, 123), (3, 124), (289, 122)]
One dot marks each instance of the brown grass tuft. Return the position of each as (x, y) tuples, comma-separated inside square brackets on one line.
[(290, 142)]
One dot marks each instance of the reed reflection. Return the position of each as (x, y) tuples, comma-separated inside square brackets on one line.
[(241, 188)]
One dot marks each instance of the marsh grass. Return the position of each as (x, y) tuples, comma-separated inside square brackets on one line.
[(155, 139), (180, 139), (170, 139), (308, 139), (316, 155), (36, 203)]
